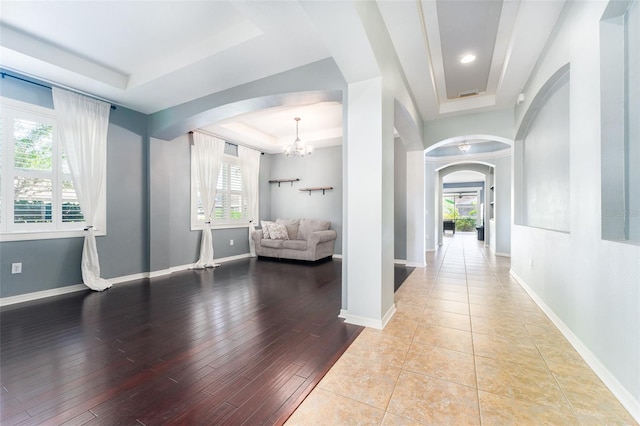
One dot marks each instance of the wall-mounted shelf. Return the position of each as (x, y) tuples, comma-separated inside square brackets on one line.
[(319, 188), (279, 181)]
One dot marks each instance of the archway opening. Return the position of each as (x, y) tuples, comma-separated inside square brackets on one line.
[(463, 206)]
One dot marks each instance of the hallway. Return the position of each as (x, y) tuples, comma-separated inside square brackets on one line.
[(467, 346)]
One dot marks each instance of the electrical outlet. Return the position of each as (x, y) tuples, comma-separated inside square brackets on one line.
[(16, 268), (230, 242)]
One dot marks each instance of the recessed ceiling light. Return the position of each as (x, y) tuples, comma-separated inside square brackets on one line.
[(467, 59)]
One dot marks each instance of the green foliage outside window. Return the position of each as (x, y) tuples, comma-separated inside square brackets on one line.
[(33, 145), (463, 223), (466, 224), (450, 211)]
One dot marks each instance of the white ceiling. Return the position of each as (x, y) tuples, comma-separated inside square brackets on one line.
[(471, 29), (272, 129), (151, 55)]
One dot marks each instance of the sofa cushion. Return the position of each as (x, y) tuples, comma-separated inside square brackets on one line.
[(264, 224), (308, 226), (292, 227), (294, 244), (278, 231), (277, 244)]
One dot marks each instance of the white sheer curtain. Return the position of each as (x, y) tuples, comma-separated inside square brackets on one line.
[(250, 163), (82, 128), (207, 154)]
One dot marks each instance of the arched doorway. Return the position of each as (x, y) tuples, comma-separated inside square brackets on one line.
[(452, 181), (489, 157), (463, 205)]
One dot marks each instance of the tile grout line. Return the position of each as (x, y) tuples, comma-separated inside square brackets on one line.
[(428, 296), (524, 325), (473, 348), (553, 376)]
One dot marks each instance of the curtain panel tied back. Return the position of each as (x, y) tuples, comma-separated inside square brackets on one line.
[(82, 128), (208, 152), (250, 163)]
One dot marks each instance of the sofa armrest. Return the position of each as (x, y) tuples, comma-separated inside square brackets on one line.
[(257, 236), (322, 236)]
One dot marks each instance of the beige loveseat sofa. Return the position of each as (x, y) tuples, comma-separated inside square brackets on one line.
[(305, 239)]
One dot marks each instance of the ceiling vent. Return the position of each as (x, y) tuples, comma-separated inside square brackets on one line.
[(467, 93)]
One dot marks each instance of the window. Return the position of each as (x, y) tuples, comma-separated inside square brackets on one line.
[(231, 205), (462, 209), (37, 197)]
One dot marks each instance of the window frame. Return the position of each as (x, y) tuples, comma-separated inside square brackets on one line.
[(227, 223), (10, 110)]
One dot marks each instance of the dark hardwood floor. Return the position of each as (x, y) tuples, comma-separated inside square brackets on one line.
[(241, 344), (400, 273)]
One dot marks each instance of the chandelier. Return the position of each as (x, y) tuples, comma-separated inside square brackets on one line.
[(464, 147), (297, 148)]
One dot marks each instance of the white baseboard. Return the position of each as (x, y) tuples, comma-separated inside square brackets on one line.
[(395, 261), (619, 391), (497, 253), (387, 317), (180, 268), (232, 258), (159, 273), (417, 264), (27, 297), (127, 278), (368, 322)]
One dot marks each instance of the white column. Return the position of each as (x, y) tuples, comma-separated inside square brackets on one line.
[(439, 209), (370, 201), (487, 210), (417, 215), (430, 206)]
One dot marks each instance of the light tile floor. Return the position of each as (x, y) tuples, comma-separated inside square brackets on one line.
[(467, 346)]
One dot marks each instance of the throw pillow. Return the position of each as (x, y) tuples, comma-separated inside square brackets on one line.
[(309, 226), (264, 224), (292, 227), (278, 231)]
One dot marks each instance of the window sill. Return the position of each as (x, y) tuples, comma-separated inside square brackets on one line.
[(625, 242), (45, 235), (222, 226)]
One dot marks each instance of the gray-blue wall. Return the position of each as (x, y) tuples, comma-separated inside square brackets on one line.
[(48, 264), (148, 190), (322, 168), (183, 243)]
